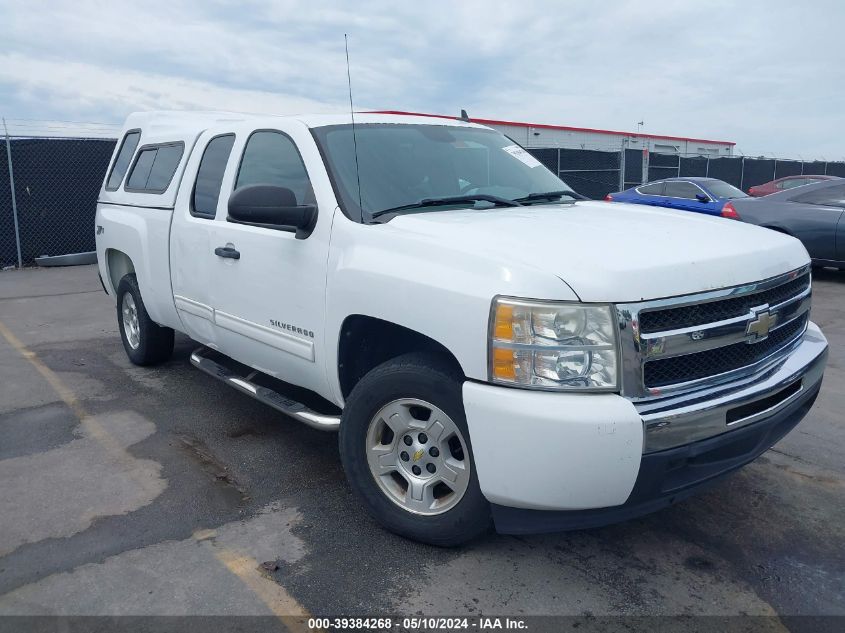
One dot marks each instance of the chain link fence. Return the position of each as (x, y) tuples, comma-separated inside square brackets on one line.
[(48, 196), (596, 173), (49, 186)]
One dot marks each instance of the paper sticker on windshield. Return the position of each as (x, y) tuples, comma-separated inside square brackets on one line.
[(520, 154)]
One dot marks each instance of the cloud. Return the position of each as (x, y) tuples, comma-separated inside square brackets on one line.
[(81, 87), (765, 74)]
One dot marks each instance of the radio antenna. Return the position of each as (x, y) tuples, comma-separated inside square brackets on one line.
[(354, 136)]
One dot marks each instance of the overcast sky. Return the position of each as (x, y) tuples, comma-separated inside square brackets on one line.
[(768, 75)]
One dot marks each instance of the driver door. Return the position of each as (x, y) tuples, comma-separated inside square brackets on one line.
[(269, 287)]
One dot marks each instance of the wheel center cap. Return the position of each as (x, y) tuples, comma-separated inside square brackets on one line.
[(418, 460)]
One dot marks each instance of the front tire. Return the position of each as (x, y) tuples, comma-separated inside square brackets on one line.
[(145, 342), (404, 445)]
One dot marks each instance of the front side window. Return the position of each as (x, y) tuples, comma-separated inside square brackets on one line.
[(681, 189), (154, 168), (124, 156), (405, 164), (210, 176), (721, 189), (271, 158)]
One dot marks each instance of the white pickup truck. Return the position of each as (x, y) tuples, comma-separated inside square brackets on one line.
[(491, 347)]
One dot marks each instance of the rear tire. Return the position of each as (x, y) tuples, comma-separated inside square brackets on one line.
[(145, 342), (426, 489)]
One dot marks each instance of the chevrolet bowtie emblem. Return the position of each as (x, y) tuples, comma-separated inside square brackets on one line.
[(760, 326)]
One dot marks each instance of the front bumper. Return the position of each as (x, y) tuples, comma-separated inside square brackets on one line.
[(548, 462)]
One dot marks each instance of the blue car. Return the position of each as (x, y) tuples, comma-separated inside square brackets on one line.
[(702, 195)]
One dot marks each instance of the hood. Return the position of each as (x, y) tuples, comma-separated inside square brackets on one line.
[(616, 252)]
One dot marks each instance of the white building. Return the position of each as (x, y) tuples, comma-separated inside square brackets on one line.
[(544, 135)]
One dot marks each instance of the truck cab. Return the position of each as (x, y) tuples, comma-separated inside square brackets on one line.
[(491, 348)]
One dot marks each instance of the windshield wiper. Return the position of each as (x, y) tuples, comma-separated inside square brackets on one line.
[(551, 195), (437, 202)]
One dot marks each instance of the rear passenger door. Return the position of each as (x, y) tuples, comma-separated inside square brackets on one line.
[(191, 252)]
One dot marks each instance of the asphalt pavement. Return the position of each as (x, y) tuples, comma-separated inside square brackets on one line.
[(160, 491)]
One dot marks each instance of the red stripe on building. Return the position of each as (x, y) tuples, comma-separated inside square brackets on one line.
[(546, 126)]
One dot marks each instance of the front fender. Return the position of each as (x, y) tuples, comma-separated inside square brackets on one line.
[(440, 292)]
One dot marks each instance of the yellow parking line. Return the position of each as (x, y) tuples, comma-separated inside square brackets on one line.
[(91, 426), (64, 393), (283, 605), (246, 569)]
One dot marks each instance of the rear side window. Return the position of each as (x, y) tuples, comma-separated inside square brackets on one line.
[(654, 189), (792, 183), (271, 158), (154, 168), (121, 163), (681, 189), (826, 196), (210, 176)]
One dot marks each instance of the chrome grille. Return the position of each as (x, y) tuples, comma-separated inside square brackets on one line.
[(692, 342), (679, 369), (718, 310)]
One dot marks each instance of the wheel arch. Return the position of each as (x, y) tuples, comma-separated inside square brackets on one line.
[(366, 342), (118, 265)]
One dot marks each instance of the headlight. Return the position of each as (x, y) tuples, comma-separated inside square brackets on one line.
[(556, 346)]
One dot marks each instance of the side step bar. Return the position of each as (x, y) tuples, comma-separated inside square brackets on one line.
[(264, 394)]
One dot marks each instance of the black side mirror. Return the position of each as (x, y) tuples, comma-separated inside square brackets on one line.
[(701, 197), (272, 207)]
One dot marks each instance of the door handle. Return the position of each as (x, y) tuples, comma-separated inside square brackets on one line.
[(228, 252)]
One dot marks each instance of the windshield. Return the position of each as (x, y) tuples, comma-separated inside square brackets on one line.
[(721, 189), (401, 165)]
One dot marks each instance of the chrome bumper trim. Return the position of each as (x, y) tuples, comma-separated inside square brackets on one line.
[(684, 420)]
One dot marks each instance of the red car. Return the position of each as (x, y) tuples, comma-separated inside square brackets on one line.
[(787, 182)]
